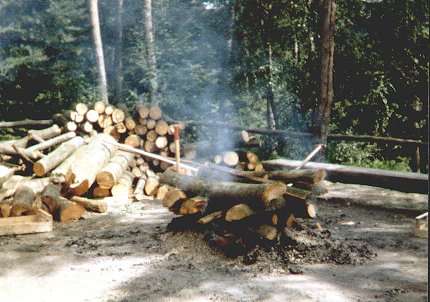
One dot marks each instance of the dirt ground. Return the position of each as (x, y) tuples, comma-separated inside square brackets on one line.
[(128, 254)]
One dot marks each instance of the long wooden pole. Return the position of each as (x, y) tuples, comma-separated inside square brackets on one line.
[(151, 155)]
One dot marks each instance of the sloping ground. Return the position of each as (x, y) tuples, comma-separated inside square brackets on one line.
[(128, 255)]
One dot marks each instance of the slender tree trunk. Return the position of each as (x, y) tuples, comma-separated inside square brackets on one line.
[(323, 109), (98, 48), (149, 35), (118, 52), (270, 95)]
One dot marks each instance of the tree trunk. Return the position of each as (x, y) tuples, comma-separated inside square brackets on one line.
[(149, 36), (118, 51), (93, 205), (323, 109), (123, 187), (68, 210), (98, 49)]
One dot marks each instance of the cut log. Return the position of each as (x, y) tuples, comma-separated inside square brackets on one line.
[(151, 135), (267, 231), (23, 201), (88, 160), (161, 128), (70, 115), (151, 186), (109, 109), (79, 119), (81, 108), (93, 205), (99, 192), (133, 140), (252, 157), (123, 187), (85, 127), (104, 121), (99, 107), (71, 126), (193, 205), (149, 146), (173, 196), (143, 111), (112, 172), (400, 181), (230, 158), (118, 116), (136, 172), (51, 196), (92, 115), (52, 142), (5, 173), (155, 112), (9, 186), (238, 212), (25, 123), (68, 210), (130, 124), (161, 142), (140, 129), (121, 128), (226, 193), (150, 124), (112, 131), (53, 159)]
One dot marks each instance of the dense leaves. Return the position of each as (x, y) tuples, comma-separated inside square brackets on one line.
[(213, 63)]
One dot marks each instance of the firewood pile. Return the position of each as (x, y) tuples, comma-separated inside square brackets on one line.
[(68, 168), (97, 151)]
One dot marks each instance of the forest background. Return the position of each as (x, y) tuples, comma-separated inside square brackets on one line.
[(228, 61)]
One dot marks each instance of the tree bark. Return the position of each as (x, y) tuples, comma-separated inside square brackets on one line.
[(98, 49), (323, 109), (226, 194), (118, 72), (25, 123), (152, 63)]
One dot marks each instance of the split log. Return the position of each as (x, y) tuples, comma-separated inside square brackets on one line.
[(238, 212), (173, 196), (193, 205), (93, 205), (123, 187), (88, 160), (400, 181), (68, 210), (151, 186), (211, 217), (227, 194), (162, 191), (99, 192), (52, 142), (51, 196), (112, 131), (140, 186), (10, 185), (136, 172), (112, 172), (23, 201), (4, 209)]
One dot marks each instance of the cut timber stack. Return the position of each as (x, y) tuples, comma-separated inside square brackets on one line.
[(237, 208)]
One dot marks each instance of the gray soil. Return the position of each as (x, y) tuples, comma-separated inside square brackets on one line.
[(128, 254)]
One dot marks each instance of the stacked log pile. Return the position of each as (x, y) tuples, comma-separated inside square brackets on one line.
[(238, 209), (70, 167)]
